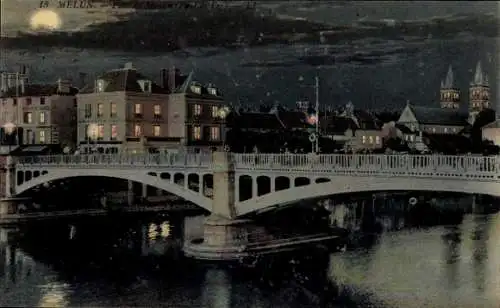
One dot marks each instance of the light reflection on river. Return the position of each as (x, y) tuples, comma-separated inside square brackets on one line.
[(443, 266), (139, 264)]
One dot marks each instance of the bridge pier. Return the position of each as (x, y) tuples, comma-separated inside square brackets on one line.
[(224, 236)]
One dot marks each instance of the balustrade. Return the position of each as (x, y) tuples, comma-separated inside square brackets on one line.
[(411, 165)]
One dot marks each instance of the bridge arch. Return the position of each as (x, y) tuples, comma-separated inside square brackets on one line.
[(353, 184), (133, 175)]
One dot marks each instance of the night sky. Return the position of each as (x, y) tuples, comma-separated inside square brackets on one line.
[(379, 55)]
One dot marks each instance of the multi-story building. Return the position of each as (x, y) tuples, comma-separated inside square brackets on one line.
[(198, 113), (124, 110), (41, 114)]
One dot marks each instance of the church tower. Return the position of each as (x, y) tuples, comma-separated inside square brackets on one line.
[(450, 96), (479, 93)]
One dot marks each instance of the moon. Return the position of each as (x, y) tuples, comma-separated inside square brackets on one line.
[(45, 19)]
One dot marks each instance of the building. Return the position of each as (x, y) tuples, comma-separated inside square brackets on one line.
[(479, 93), (448, 118), (198, 112), (357, 129), (37, 114), (491, 132), (123, 110), (450, 95)]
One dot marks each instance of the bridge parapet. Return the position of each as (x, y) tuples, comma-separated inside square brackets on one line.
[(117, 160), (468, 167)]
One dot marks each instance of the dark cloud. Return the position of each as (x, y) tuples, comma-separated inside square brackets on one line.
[(161, 32)]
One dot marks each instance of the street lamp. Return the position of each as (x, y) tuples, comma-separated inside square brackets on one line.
[(9, 129), (314, 138), (92, 132), (222, 114)]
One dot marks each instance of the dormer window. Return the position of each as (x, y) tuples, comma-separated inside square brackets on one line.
[(212, 91), (196, 89), (100, 85)]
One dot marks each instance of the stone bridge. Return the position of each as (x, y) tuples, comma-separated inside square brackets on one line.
[(233, 185)]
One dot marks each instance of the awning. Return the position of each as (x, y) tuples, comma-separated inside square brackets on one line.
[(37, 149)]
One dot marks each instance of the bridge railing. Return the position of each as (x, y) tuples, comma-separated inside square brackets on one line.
[(169, 159), (412, 165)]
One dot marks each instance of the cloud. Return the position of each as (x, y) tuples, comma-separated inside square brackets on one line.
[(162, 31)]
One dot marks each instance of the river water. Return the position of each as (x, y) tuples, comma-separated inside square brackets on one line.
[(136, 261)]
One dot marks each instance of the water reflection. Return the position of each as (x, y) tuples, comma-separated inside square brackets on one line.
[(217, 289), (54, 295), (449, 266), (138, 262), (493, 267)]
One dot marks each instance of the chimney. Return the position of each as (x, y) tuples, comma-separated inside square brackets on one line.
[(63, 86), (3, 84), (172, 79), (22, 84), (163, 78), (129, 66), (82, 79)]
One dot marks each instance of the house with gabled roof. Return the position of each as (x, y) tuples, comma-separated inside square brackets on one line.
[(36, 116), (357, 129), (126, 110), (199, 113)]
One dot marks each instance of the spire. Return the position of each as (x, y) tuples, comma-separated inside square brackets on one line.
[(479, 77), (448, 81)]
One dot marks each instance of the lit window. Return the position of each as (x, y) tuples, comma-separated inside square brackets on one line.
[(215, 111), (214, 133), (196, 133), (138, 109), (41, 136), (212, 91), (156, 130), (42, 117), (454, 129), (157, 110), (88, 110), (113, 110), (137, 130), (364, 139), (114, 132), (433, 129), (100, 86), (196, 89), (377, 139), (100, 110), (100, 132), (370, 139), (445, 130), (197, 110), (28, 118)]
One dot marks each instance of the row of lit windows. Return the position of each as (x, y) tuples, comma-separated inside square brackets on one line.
[(213, 136), (97, 132), (448, 95), (30, 137), (216, 111), (28, 117), (138, 130), (113, 110), (371, 139)]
